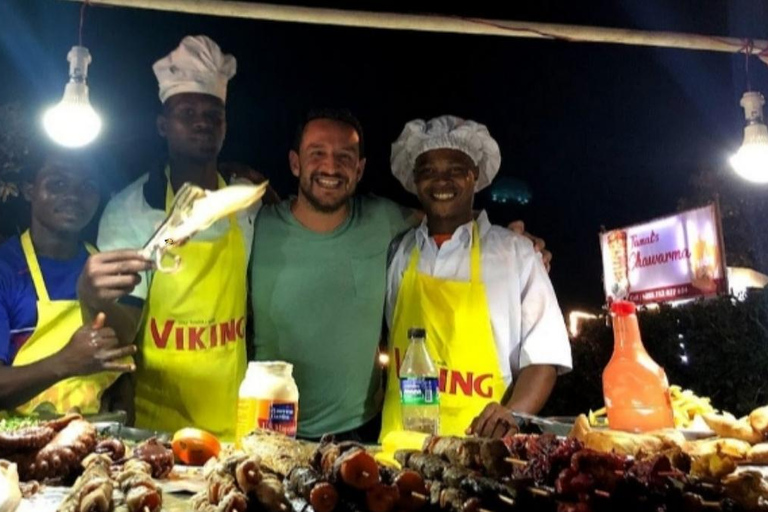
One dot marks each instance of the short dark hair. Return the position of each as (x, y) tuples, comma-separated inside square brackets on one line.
[(342, 115), (41, 149)]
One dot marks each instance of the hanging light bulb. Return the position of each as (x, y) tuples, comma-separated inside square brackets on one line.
[(73, 122), (751, 160)]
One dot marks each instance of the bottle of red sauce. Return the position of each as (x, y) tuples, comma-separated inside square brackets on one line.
[(635, 388)]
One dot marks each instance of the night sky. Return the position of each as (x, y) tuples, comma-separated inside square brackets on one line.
[(599, 134)]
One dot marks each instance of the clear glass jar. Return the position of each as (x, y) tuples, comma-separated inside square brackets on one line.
[(268, 399)]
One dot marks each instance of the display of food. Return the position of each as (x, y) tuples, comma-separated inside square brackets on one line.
[(194, 446), (105, 487), (278, 453), (333, 476), (93, 489), (49, 451), (111, 481), (140, 493), (688, 410), (104, 473), (10, 492), (752, 428), (592, 469), (234, 481)]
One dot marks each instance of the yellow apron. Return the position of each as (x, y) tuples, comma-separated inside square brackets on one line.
[(192, 348), (57, 321), (459, 339)]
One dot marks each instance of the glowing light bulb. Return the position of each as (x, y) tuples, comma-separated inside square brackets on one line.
[(751, 160), (73, 122)]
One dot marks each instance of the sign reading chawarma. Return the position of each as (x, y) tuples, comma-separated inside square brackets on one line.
[(671, 258)]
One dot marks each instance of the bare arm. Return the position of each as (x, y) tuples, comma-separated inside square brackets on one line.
[(91, 349), (19, 384), (239, 170), (106, 277), (124, 319), (528, 394), (538, 243), (532, 388)]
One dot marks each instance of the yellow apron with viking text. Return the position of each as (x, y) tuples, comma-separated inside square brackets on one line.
[(459, 340), (57, 321), (192, 348)]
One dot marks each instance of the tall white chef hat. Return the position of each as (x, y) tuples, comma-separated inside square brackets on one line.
[(450, 132), (197, 65)]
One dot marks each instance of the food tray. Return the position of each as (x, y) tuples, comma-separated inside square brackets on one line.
[(115, 429), (561, 426)]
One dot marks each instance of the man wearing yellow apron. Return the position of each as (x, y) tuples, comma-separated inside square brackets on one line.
[(192, 338), (493, 326), (49, 357)]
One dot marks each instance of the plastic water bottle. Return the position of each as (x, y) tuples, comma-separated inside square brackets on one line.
[(419, 394)]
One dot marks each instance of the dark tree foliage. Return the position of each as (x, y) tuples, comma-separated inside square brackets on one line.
[(15, 136)]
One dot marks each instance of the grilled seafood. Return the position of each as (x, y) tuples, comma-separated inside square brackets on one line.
[(195, 209)]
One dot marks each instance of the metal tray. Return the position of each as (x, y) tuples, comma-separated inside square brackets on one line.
[(558, 425), (115, 429)]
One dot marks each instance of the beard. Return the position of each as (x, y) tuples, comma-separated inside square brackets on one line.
[(321, 204)]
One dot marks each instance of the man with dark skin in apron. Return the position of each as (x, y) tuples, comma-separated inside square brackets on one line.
[(493, 326), (48, 353)]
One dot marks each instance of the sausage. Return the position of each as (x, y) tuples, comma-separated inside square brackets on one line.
[(357, 469), (382, 497), (412, 490)]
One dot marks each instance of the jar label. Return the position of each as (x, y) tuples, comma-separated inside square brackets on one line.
[(275, 415)]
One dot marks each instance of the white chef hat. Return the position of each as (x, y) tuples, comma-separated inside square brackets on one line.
[(450, 132), (197, 65)]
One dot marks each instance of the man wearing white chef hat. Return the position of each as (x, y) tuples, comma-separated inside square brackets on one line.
[(493, 325), (192, 338), (325, 252)]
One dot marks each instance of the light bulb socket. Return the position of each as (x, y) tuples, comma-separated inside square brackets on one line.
[(79, 58), (752, 102)]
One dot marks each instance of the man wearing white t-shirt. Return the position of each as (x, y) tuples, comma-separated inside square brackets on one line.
[(494, 328)]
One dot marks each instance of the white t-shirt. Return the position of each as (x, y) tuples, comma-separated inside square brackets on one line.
[(527, 323), (128, 222)]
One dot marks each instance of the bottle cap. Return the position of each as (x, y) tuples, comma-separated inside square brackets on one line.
[(623, 308), (417, 332)]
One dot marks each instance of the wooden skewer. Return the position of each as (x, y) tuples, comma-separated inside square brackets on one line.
[(506, 499), (516, 462), (619, 472), (420, 496), (539, 492), (668, 473), (602, 494), (365, 474)]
